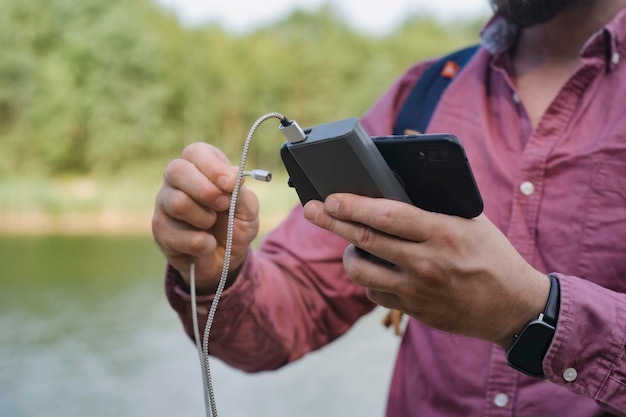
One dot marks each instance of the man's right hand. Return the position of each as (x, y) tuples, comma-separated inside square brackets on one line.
[(191, 215)]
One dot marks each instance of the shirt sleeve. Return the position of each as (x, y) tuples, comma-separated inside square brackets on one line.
[(587, 353), (292, 296)]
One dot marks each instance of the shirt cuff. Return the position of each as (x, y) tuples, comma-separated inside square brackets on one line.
[(179, 296), (587, 352)]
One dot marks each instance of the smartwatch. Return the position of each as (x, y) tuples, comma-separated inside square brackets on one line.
[(529, 347)]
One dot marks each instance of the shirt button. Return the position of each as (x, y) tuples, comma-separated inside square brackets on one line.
[(501, 400), (615, 58), (516, 99), (570, 374), (527, 188)]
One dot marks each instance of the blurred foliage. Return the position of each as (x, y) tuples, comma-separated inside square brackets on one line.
[(93, 86)]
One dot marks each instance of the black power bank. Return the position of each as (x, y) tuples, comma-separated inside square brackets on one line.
[(428, 171), (339, 157)]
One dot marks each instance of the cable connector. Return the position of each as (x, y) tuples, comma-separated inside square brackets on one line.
[(259, 175), (292, 131)]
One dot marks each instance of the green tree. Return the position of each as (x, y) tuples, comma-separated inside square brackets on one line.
[(95, 85)]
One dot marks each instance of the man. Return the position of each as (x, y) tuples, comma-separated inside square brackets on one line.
[(540, 112)]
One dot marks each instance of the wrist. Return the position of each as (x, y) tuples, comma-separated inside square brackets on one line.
[(530, 302), (529, 346), (206, 287)]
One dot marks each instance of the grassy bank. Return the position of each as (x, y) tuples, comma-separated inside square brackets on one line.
[(118, 205)]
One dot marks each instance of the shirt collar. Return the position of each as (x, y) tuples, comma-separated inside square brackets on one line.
[(609, 42)]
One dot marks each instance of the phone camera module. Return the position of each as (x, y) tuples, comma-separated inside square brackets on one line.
[(438, 155)]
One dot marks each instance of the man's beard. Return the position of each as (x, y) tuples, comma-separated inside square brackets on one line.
[(525, 13)]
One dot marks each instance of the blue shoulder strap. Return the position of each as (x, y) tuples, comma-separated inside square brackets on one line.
[(420, 104)]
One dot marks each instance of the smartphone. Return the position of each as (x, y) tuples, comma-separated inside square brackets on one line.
[(429, 171), (434, 171)]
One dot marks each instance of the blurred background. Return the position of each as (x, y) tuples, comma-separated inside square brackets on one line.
[(95, 97)]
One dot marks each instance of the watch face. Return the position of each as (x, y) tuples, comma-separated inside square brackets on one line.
[(527, 352)]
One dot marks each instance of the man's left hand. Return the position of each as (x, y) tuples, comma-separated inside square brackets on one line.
[(458, 275)]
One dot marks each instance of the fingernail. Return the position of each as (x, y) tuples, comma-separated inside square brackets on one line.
[(311, 211), (332, 205)]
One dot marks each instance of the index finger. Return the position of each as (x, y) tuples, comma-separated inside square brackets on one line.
[(388, 216), (212, 163)]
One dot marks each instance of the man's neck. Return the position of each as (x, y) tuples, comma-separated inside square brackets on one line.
[(547, 55), (562, 38)]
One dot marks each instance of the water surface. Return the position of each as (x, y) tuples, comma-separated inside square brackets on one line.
[(85, 330)]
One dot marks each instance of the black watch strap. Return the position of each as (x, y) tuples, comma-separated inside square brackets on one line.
[(529, 347), (551, 312)]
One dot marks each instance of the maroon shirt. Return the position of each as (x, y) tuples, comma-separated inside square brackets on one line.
[(559, 194)]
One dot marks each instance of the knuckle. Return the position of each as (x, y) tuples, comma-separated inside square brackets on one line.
[(427, 271), (363, 236), (169, 251), (193, 149), (450, 238), (173, 170), (157, 225), (164, 243), (206, 220), (179, 204), (384, 219), (198, 243), (206, 192)]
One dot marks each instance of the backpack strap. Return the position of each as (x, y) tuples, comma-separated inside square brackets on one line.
[(415, 113)]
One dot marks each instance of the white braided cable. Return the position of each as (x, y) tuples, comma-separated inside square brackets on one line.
[(203, 349)]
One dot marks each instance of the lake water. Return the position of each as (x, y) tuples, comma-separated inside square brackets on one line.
[(85, 330)]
